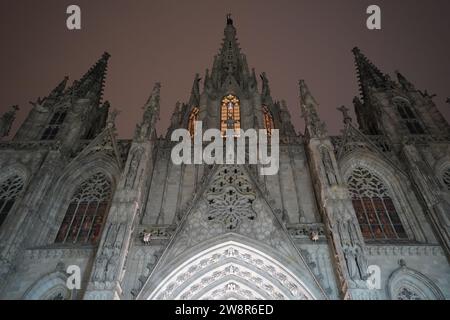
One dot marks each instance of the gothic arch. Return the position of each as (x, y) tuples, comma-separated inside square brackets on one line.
[(64, 188), (396, 182), (409, 284), (50, 287), (20, 174), (16, 168), (442, 172), (230, 266)]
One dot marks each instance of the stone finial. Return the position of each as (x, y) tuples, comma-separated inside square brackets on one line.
[(314, 125), (111, 122), (229, 20), (346, 116)]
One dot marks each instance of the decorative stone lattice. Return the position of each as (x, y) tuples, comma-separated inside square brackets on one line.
[(96, 188), (230, 198), (446, 179), (9, 190), (407, 294), (362, 183)]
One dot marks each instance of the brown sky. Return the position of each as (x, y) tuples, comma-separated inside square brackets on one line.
[(169, 41)]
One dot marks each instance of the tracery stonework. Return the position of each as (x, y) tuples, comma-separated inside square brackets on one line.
[(230, 198), (407, 294), (9, 191), (236, 263), (446, 179), (374, 207)]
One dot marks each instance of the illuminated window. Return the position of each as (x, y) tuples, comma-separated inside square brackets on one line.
[(53, 127), (192, 118), (374, 208), (86, 213), (408, 117), (230, 117), (9, 191), (268, 121)]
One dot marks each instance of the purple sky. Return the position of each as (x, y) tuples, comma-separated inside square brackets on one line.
[(169, 41)]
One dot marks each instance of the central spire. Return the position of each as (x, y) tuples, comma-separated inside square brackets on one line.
[(369, 75), (229, 61)]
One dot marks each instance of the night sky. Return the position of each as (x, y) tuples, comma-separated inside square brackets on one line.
[(169, 41)]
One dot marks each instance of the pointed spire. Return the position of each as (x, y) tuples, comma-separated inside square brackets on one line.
[(151, 114), (230, 60), (195, 91), (265, 90), (6, 121), (368, 74), (404, 82), (58, 91), (287, 129), (91, 84), (314, 126), (175, 119)]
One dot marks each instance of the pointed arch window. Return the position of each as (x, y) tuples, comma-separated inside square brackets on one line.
[(87, 211), (408, 117), (230, 115), (268, 121), (192, 118), (446, 179), (374, 207), (53, 127), (10, 189)]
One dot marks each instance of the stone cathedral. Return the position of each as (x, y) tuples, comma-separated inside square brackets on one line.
[(361, 215)]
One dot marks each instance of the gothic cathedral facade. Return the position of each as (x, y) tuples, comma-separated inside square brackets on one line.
[(362, 215)]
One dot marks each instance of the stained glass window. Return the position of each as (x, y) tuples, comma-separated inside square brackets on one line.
[(374, 207), (446, 179), (192, 118), (268, 121), (9, 190), (86, 213), (408, 117), (53, 127), (230, 116)]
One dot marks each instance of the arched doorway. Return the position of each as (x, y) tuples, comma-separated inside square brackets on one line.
[(231, 270)]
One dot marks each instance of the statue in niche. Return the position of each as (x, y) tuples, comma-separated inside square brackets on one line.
[(328, 166), (352, 266), (132, 168)]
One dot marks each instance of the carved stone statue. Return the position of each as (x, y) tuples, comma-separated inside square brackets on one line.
[(7, 120), (132, 169), (328, 166)]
